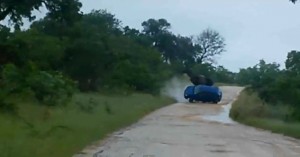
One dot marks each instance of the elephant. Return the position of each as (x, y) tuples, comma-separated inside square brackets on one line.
[(199, 79)]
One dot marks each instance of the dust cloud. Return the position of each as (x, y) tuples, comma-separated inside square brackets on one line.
[(175, 87)]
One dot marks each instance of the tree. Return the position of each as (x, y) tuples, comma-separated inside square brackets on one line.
[(260, 75), (175, 50), (44, 50), (4, 33), (135, 66), (292, 63), (6, 54), (184, 51), (85, 61), (154, 27), (158, 32), (61, 10), (261, 78), (101, 20), (136, 35), (268, 72), (223, 75), (207, 45), (245, 76), (65, 12)]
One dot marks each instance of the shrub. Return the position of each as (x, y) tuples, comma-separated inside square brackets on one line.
[(250, 105), (48, 88), (5, 106)]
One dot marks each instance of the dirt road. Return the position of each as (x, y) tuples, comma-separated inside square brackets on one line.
[(198, 130)]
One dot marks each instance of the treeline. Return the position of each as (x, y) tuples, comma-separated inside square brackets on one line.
[(68, 50), (275, 86)]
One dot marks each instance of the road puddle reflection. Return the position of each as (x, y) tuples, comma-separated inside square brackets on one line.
[(222, 117)]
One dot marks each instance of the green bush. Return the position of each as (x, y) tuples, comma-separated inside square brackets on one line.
[(247, 105), (5, 106), (250, 105), (48, 88), (12, 79)]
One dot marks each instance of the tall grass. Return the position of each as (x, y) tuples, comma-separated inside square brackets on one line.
[(61, 132), (251, 110)]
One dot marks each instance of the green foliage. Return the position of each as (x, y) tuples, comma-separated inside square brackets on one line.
[(104, 58), (223, 75), (135, 66), (5, 106), (261, 74), (65, 12), (249, 105), (292, 63), (101, 21), (49, 88), (276, 86), (62, 11), (155, 27), (85, 61), (45, 51), (260, 77), (63, 132), (251, 110), (96, 51), (12, 79), (4, 33)]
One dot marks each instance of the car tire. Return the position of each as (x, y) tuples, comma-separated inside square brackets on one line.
[(191, 100)]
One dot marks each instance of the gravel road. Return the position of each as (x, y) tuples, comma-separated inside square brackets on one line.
[(194, 130)]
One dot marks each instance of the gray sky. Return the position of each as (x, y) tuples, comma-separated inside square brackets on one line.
[(253, 29)]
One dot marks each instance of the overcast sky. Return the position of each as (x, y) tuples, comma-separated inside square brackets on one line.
[(253, 29)]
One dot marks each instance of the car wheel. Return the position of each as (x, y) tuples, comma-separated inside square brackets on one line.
[(191, 100)]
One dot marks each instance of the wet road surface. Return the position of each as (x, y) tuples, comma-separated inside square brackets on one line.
[(194, 130)]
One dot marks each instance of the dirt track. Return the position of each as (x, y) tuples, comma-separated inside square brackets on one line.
[(198, 130)]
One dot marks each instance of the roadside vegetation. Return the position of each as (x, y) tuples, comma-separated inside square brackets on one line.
[(251, 110), (271, 99), (61, 132)]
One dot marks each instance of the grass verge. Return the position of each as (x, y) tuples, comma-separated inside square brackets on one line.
[(250, 110), (61, 132)]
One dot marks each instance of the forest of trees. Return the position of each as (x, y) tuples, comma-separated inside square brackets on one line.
[(67, 51)]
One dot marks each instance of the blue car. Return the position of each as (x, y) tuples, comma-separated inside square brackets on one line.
[(203, 93)]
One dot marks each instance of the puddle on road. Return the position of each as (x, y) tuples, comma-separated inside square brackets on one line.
[(222, 117)]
